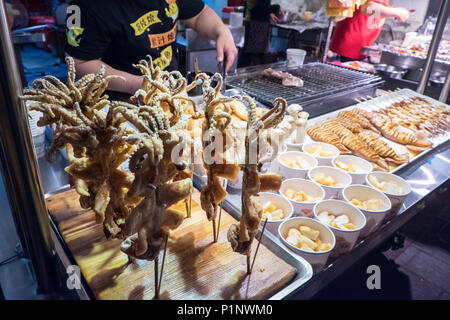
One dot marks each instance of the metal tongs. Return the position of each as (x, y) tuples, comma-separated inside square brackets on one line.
[(221, 66)]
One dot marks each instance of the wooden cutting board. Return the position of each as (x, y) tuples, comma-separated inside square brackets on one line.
[(195, 268)]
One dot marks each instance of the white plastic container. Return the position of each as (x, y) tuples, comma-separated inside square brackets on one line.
[(236, 19), (323, 161), (295, 57), (345, 239), (38, 133), (364, 193), (279, 202), (287, 172), (304, 208), (316, 259), (357, 177), (397, 200), (339, 177)]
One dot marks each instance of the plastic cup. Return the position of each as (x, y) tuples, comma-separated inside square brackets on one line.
[(323, 161), (279, 202), (316, 259), (295, 57), (357, 177), (345, 239), (312, 189), (288, 172), (364, 193), (339, 176), (397, 200)]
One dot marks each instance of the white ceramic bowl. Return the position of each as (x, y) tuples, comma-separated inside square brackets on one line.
[(323, 161), (364, 193), (397, 200), (312, 189), (345, 239), (316, 259), (288, 172), (364, 165), (279, 202), (341, 177)]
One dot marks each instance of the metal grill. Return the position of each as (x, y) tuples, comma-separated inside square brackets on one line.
[(320, 80)]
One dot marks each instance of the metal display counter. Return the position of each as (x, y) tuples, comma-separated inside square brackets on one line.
[(428, 176)]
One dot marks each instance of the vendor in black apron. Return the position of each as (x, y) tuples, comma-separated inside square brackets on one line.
[(119, 33)]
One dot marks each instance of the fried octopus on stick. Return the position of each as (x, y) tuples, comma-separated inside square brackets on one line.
[(216, 139), (155, 168), (257, 145), (96, 144)]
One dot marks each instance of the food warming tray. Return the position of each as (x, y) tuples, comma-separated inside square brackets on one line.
[(384, 101), (326, 87)]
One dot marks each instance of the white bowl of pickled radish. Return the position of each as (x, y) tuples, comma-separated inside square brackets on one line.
[(345, 221), (303, 195), (372, 203), (394, 187), (332, 180), (275, 208), (295, 164), (323, 152), (309, 238), (356, 167)]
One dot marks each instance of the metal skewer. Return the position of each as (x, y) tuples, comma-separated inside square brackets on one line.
[(257, 248), (156, 277)]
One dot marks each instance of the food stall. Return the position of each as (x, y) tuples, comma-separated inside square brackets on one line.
[(334, 178)]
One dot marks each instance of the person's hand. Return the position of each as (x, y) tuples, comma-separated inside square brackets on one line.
[(274, 19), (225, 46), (401, 14)]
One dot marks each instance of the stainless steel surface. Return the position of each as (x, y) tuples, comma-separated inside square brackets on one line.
[(445, 89), (20, 169), (386, 100), (33, 28), (428, 176), (23, 38), (413, 64), (273, 243), (434, 45), (326, 87)]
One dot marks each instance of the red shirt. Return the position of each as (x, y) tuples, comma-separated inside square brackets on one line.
[(352, 34)]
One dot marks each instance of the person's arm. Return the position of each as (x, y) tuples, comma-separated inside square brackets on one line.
[(208, 24), (373, 8), (130, 85)]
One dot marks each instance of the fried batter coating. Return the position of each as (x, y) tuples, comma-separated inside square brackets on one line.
[(241, 235)]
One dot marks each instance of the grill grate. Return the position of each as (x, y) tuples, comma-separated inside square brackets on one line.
[(319, 79)]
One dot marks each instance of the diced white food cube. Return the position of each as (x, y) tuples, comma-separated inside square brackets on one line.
[(294, 232), (305, 240), (324, 217), (310, 233), (293, 240), (342, 219), (342, 165)]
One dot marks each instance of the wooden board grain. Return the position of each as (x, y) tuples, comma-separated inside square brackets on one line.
[(196, 268)]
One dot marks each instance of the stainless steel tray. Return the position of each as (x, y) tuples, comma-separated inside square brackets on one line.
[(384, 101), (304, 269)]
